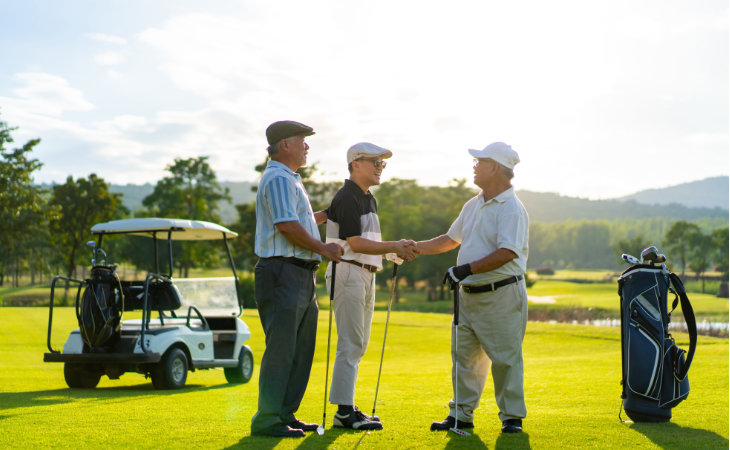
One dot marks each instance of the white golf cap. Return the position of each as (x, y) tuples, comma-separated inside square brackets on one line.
[(498, 151), (367, 150)]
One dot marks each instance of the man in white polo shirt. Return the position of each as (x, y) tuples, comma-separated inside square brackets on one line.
[(492, 230), (352, 222)]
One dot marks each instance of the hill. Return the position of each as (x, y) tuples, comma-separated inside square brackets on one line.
[(688, 201), (707, 193), (551, 207)]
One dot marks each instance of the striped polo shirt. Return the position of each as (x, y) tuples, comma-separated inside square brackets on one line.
[(281, 197), (354, 213)]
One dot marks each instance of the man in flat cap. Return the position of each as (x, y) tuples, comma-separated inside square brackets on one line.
[(352, 222), (492, 230), (289, 248)]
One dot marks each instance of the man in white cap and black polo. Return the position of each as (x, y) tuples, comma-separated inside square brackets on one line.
[(352, 222), (492, 230)]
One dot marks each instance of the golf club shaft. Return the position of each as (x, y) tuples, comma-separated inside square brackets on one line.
[(329, 340), (387, 320), (456, 358)]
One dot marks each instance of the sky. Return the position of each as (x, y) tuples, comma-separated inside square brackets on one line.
[(600, 99)]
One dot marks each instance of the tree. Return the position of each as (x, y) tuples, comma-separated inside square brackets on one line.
[(21, 204), (191, 192), (678, 240), (75, 207), (700, 254)]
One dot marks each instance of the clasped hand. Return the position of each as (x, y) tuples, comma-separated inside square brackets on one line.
[(406, 249)]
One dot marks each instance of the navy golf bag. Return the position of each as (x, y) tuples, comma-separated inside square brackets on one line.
[(654, 369), (100, 311)]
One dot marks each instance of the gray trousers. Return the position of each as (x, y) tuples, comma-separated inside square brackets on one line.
[(288, 311), (353, 307), (491, 329)]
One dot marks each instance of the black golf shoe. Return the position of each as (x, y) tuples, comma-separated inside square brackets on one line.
[(299, 425), (356, 420), (512, 426), (279, 430), (448, 424)]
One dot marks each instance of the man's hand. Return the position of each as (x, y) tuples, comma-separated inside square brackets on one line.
[(406, 249), (456, 274), (333, 252)]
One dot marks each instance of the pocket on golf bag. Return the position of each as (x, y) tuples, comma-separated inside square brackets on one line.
[(644, 362), (673, 390)]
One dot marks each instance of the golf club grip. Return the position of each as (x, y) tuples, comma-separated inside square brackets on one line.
[(332, 283), (456, 304)]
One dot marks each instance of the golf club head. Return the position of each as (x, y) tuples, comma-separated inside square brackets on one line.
[(320, 430), (392, 257), (649, 254), (630, 259), (459, 432), (661, 258)]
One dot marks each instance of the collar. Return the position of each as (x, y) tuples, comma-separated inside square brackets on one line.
[(499, 198), (277, 165), (352, 186)]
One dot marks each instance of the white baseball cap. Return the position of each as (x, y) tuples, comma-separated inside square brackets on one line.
[(498, 151), (367, 150)]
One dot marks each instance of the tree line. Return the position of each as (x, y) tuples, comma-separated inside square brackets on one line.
[(43, 231)]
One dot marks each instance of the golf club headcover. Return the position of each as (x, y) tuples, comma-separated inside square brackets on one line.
[(457, 273)]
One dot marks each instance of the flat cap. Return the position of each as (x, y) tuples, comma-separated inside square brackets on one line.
[(367, 150), (286, 129)]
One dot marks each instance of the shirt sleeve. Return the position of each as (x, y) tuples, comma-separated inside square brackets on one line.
[(345, 210), (280, 200), (456, 231), (511, 230)]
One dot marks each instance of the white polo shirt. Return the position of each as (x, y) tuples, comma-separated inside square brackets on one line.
[(484, 227)]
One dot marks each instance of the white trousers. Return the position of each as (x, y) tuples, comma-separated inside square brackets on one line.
[(353, 308), (491, 329)]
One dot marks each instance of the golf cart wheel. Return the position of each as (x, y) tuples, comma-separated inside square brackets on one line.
[(243, 372), (81, 376), (172, 370)]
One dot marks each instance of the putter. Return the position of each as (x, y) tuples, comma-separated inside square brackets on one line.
[(320, 429), (455, 428), (387, 319)]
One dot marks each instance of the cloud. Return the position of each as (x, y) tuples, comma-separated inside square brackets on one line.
[(106, 38), (45, 94), (109, 58)]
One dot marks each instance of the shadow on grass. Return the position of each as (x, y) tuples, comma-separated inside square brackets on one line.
[(472, 441), (10, 400), (672, 436), (312, 440), (514, 440)]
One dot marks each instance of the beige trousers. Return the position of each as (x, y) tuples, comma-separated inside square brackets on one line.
[(491, 329), (353, 309)]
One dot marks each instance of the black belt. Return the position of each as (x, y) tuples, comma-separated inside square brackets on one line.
[(305, 263), (367, 267), (492, 286)]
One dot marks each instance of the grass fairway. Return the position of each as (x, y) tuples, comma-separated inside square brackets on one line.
[(572, 387)]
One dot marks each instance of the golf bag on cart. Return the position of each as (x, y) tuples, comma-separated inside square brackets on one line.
[(100, 310), (654, 369)]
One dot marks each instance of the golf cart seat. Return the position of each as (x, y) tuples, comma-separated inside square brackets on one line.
[(163, 296)]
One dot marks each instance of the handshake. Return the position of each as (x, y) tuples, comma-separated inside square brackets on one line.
[(406, 249)]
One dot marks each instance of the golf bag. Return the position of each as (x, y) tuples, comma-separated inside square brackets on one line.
[(654, 369), (100, 310)]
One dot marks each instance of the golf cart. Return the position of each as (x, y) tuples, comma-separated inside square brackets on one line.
[(208, 333)]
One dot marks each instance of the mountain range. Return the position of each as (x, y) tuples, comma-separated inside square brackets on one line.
[(687, 201)]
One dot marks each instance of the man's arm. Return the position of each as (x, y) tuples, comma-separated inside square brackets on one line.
[(436, 245), (405, 249), (297, 235), (320, 217), (492, 261)]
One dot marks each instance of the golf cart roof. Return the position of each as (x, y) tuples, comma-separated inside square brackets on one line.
[(182, 229)]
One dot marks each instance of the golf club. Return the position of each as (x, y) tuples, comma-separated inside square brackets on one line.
[(455, 428), (630, 259), (649, 254), (396, 263), (320, 429)]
